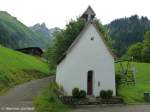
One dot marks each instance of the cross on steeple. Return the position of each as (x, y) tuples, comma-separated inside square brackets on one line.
[(89, 14)]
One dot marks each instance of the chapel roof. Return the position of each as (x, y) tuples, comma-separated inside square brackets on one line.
[(90, 11)]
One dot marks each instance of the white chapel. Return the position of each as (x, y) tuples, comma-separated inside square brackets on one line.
[(88, 64)]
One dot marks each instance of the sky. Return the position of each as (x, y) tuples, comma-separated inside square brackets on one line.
[(57, 13)]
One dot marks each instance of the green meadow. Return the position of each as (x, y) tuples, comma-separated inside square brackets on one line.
[(135, 93)]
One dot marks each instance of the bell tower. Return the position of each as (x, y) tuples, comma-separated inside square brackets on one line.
[(89, 14)]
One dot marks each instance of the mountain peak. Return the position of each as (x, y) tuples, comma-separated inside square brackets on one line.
[(43, 25), (13, 30), (40, 27)]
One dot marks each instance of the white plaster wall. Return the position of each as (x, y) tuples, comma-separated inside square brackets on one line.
[(87, 55)]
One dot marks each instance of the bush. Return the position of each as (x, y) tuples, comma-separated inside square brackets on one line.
[(109, 94), (106, 94), (82, 94), (103, 94), (118, 79), (76, 93)]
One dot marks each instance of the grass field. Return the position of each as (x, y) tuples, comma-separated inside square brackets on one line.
[(11, 60), (16, 68), (134, 94)]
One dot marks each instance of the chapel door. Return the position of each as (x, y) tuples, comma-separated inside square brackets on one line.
[(90, 83)]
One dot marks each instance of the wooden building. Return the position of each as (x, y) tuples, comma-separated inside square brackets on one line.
[(35, 51)]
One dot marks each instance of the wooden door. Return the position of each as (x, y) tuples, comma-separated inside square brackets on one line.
[(90, 83)]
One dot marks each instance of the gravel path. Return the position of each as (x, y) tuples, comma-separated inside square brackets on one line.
[(20, 98), (123, 108)]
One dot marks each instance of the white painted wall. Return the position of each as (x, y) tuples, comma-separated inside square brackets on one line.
[(87, 55)]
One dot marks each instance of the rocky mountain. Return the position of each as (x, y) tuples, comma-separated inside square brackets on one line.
[(15, 35), (42, 30)]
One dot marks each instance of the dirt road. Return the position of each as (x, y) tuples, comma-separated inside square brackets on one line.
[(20, 98)]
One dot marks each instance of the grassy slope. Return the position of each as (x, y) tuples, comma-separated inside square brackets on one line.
[(10, 60), (134, 94), (16, 68)]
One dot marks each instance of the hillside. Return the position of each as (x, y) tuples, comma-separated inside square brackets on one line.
[(16, 68), (127, 31), (134, 94), (14, 34)]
